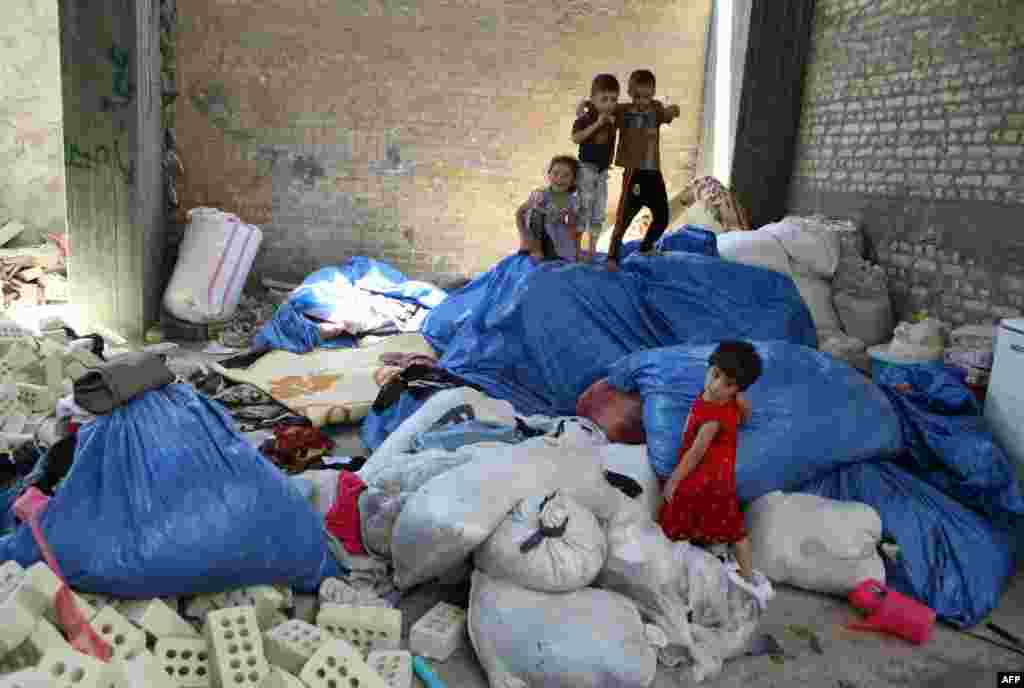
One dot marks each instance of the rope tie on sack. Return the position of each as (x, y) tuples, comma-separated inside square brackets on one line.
[(553, 523)]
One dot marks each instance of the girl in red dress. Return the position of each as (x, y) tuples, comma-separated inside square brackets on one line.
[(700, 496)]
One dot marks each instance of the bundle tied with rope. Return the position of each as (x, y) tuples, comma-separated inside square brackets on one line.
[(548, 544)]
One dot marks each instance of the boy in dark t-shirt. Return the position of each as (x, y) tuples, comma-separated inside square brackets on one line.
[(639, 153), (594, 132)]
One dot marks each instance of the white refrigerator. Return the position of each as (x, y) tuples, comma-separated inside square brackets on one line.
[(1004, 401)]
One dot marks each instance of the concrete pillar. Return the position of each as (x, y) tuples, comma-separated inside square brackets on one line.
[(113, 146)]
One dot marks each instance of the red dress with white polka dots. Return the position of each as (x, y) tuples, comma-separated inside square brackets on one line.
[(704, 508)]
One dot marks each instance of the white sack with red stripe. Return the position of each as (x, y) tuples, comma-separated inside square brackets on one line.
[(214, 260)]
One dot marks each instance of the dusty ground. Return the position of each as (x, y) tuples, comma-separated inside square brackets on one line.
[(849, 660)]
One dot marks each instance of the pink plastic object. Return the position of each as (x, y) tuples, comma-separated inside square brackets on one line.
[(32, 502), (891, 612), (30, 507)]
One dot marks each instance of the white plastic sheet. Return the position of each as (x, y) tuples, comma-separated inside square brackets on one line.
[(683, 589)]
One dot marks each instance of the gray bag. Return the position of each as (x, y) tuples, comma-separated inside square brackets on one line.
[(589, 638), (120, 380)]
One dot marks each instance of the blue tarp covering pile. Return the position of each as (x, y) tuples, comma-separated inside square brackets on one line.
[(165, 498), (326, 293), (950, 500), (539, 335)]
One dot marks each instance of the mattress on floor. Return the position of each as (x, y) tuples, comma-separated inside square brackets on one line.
[(326, 385)]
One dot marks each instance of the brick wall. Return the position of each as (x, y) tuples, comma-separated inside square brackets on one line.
[(913, 122), (31, 150), (407, 131)]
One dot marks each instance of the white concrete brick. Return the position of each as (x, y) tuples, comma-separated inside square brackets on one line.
[(439, 632), (157, 619), (366, 628), (236, 647), (292, 644), (71, 669), (394, 666), (337, 663), (185, 660), (124, 639)]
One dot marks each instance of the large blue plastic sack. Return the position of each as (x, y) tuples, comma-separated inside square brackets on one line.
[(166, 498), (951, 557), (949, 444), (811, 413), (446, 319), (688, 239), (541, 340), (322, 295)]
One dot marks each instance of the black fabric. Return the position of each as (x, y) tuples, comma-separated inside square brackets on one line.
[(420, 380), (624, 484), (57, 463), (244, 360), (596, 154), (97, 342), (641, 188), (769, 113), (539, 232), (120, 380)]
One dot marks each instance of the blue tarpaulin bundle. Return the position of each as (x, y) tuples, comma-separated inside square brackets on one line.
[(166, 498), (326, 293), (811, 413), (950, 501), (538, 336), (541, 341), (445, 320)]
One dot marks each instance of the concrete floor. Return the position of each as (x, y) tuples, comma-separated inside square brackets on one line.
[(849, 659)]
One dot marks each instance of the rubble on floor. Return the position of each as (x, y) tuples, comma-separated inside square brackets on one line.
[(32, 276), (261, 637)]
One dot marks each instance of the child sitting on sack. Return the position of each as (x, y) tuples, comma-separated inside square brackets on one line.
[(547, 220)]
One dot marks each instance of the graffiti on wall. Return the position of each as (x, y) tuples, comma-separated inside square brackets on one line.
[(122, 90), (99, 157)]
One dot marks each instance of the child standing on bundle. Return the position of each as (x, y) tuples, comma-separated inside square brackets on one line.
[(639, 153), (700, 496), (547, 221), (594, 132)]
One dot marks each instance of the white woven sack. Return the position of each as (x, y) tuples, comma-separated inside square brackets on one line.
[(453, 513), (756, 248), (812, 253), (817, 295), (867, 318), (588, 638), (815, 543), (214, 261), (550, 544)]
